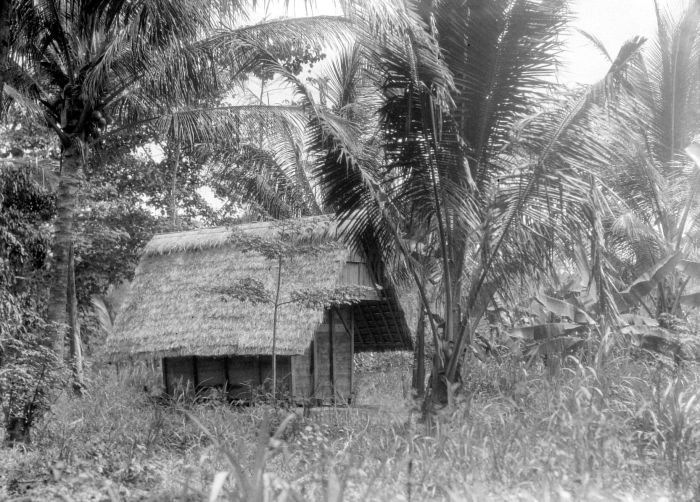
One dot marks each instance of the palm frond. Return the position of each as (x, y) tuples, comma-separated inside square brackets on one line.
[(596, 43)]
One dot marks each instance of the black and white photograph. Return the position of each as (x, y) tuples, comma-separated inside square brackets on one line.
[(350, 250)]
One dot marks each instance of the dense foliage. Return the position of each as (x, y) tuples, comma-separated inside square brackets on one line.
[(29, 368)]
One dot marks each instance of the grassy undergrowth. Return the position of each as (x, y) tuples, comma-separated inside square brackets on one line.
[(630, 432)]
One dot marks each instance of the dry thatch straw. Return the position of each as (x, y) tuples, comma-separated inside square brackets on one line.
[(179, 303)]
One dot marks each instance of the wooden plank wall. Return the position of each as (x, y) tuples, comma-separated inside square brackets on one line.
[(302, 375), (244, 375), (342, 355), (284, 369), (321, 362), (240, 374), (333, 358), (247, 373), (211, 371), (179, 371), (355, 271)]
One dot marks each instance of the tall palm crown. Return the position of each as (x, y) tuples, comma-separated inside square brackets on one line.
[(465, 168), (454, 81)]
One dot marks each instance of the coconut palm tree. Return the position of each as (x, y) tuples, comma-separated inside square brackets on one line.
[(475, 165), (78, 65), (453, 83), (271, 177)]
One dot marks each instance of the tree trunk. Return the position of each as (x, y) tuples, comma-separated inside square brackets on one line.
[(5, 8), (71, 174), (17, 431), (76, 351), (419, 360), (437, 396)]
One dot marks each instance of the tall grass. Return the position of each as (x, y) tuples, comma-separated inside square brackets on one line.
[(629, 431)]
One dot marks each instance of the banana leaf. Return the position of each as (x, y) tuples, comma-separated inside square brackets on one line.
[(545, 331), (642, 330), (535, 309), (561, 346), (639, 320), (691, 268), (662, 341), (563, 308), (691, 299), (643, 285)]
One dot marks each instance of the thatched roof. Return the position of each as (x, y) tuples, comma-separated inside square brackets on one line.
[(181, 302)]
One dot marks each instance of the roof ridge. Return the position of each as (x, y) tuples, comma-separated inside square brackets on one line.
[(249, 225), (207, 238)]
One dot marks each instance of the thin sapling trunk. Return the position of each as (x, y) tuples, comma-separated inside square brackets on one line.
[(274, 330), (173, 188)]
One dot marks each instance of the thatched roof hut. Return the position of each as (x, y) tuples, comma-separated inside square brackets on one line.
[(183, 300)]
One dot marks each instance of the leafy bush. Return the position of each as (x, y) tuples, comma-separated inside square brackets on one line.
[(29, 368), (29, 371)]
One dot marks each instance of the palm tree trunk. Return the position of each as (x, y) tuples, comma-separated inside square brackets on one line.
[(71, 174), (17, 432), (4, 40), (76, 351), (419, 362)]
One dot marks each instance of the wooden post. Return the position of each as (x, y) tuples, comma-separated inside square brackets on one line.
[(292, 378), (195, 373), (352, 352), (314, 366), (226, 375), (165, 375), (331, 355), (274, 331), (349, 328)]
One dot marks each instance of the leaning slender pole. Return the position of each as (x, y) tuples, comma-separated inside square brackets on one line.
[(274, 330), (173, 188)]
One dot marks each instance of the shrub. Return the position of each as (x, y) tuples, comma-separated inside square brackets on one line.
[(29, 368)]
